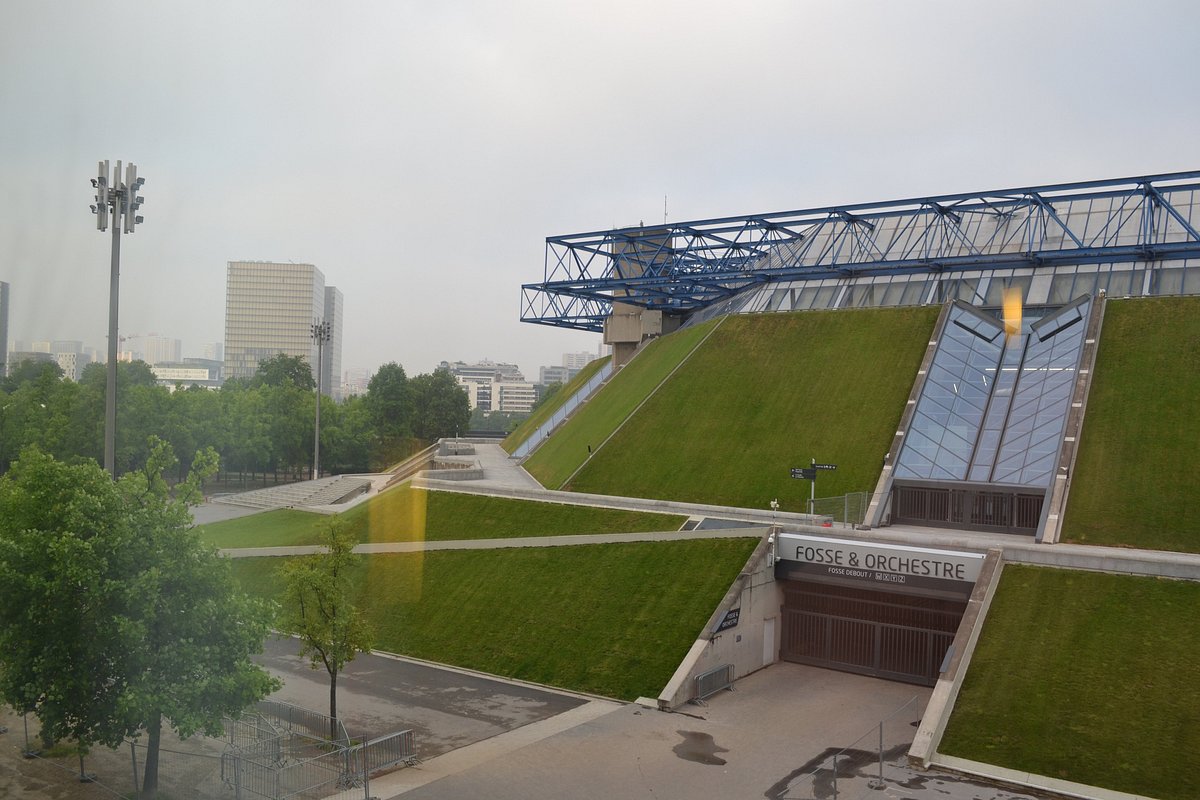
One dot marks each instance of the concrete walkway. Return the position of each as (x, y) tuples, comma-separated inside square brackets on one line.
[(499, 544), (773, 737), (504, 477)]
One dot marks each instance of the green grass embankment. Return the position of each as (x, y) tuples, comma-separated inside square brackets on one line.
[(611, 619), (1139, 454), (764, 394), (547, 409), (555, 461), (1087, 677), (404, 514)]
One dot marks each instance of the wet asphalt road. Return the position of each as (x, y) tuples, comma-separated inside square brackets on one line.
[(445, 708)]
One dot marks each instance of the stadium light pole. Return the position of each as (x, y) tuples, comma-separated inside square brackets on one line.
[(119, 199), (320, 334)]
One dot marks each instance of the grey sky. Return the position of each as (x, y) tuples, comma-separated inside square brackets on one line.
[(419, 153)]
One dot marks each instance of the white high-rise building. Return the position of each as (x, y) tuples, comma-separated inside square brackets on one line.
[(577, 361), (154, 349), (331, 359), (270, 308), (3, 327)]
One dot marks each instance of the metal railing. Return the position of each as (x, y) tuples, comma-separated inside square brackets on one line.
[(714, 680), (846, 510), (378, 754), (562, 412), (311, 723)]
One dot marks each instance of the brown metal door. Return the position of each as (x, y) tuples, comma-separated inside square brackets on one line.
[(891, 636)]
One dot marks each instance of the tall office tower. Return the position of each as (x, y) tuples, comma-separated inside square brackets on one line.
[(3, 328), (331, 359), (270, 309)]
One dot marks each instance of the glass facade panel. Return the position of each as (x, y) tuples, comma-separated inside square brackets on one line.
[(946, 422), (1042, 401)]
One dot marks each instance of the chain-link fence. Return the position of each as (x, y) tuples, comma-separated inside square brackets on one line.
[(875, 761), (274, 751), (186, 768)]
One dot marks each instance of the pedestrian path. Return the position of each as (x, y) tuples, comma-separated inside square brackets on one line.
[(504, 477), (499, 544)]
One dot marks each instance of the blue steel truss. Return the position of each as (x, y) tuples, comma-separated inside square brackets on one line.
[(680, 267)]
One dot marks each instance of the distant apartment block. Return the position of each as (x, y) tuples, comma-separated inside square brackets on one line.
[(72, 364), (270, 308), (154, 349), (355, 381), (214, 351), (577, 361), (549, 375), (493, 387), (202, 372), (18, 357), (515, 397)]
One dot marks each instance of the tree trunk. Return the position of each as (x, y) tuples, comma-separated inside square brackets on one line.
[(333, 734), (150, 777)]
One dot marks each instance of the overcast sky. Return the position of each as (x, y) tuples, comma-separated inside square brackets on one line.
[(420, 152)]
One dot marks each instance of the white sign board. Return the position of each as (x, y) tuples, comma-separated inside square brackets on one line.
[(876, 562)]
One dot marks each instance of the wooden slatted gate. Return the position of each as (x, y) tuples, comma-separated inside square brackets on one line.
[(883, 634)]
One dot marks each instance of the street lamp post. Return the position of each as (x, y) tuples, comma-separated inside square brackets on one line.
[(320, 334), (120, 200)]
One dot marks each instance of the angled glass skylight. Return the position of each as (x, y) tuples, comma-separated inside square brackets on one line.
[(945, 425), (993, 409)]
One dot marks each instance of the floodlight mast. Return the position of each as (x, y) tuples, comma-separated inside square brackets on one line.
[(120, 200), (320, 334)]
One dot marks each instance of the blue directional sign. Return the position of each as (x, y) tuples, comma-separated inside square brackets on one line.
[(806, 473)]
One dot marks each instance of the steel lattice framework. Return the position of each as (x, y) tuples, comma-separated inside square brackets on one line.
[(684, 266)]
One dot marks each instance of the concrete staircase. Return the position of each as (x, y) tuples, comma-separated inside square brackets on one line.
[(322, 492)]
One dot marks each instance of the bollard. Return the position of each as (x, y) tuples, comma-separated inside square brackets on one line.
[(133, 759), (878, 782)]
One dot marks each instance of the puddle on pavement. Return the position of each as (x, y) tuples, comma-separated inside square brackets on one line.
[(699, 747)]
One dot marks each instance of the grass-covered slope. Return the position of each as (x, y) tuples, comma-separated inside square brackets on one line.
[(561, 455), (404, 514), (1135, 481), (1087, 677), (764, 394), (611, 619), (547, 409)]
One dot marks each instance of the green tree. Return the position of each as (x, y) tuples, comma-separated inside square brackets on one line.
[(348, 447), (440, 406), (319, 608), (389, 401), (27, 371), (281, 370), (289, 425), (114, 617), (548, 392)]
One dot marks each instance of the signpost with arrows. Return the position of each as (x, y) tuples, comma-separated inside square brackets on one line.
[(809, 473)]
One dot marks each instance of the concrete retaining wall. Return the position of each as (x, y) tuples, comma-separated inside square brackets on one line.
[(945, 691), (758, 597)]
